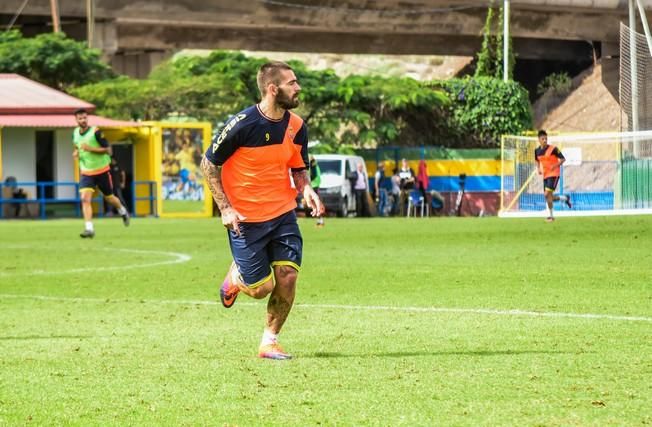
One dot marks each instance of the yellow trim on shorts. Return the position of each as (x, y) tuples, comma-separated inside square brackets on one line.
[(261, 282), (81, 190), (288, 263), (552, 190)]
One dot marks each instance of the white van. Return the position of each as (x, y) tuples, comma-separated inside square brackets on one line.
[(335, 189)]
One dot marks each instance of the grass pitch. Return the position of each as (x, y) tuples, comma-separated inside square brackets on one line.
[(440, 321)]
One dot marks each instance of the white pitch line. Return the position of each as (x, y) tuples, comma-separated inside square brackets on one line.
[(178, 258), (488, 311)]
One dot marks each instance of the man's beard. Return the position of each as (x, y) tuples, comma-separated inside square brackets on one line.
[(284, 101)]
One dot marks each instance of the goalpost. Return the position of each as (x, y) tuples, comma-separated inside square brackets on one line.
[(604, 174)]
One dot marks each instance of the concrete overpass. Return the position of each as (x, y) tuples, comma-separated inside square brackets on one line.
[(137, 34)]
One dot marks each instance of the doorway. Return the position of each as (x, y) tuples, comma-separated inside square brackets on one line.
[(45, 160)]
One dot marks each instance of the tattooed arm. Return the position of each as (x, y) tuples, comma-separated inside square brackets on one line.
[(230, 217), (213, 174), (301, 180)]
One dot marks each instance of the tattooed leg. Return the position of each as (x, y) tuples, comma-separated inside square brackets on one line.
[(281, 300)]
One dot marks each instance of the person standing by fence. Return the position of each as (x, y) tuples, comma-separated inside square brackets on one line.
[(380, 190)]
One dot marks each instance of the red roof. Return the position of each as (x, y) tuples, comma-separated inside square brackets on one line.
[(19, 95), (26, 103), (58, 121)]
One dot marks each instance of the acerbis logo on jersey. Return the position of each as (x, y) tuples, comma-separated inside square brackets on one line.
[(226, 130)]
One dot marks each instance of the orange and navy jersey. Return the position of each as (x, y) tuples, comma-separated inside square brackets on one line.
[(548, 157), (256, 154)]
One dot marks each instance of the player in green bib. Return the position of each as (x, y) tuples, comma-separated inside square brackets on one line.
[(94, 154)]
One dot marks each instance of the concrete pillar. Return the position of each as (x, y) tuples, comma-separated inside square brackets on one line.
[(611, 68), (106, 38), (137, 64)]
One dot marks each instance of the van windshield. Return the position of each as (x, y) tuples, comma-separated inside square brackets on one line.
[(332, 167)]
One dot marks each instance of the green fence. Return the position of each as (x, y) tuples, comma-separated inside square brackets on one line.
[(636, 184)]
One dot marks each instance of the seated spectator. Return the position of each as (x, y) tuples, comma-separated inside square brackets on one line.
[(14, 193)]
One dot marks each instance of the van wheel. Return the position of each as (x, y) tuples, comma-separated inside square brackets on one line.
[(343, 211)]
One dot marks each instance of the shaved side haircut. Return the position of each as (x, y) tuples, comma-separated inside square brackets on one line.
[(270, 72)]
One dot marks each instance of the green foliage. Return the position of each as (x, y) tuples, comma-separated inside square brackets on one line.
[(487, 55), (559, 84), (342, 114), (52, 59), (209, 88), (490, 57), (484, 108)]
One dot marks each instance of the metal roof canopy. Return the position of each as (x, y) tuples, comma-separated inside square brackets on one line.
[(20, 95), (59, 121), (26, 103)]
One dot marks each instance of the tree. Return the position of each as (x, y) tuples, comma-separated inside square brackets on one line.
[(490, 57), (52, 59), (486, 63), (354, 112), (485, 108), (342, 114)]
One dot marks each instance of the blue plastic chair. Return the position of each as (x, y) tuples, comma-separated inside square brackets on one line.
[(415, 200)]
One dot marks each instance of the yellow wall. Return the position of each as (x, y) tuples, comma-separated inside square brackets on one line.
[(147, 150), (141, 138), (155, 155), (481, 167), (145, 161)]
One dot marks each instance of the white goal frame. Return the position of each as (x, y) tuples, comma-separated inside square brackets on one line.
[(520, 180)]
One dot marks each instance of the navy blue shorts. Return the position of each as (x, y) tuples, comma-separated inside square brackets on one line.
[(550, 183), (102, 181), (263, 245)]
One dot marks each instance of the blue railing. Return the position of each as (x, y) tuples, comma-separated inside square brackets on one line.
[(42, 200)]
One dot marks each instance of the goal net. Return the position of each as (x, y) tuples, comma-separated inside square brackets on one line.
[(635, 80), (604, 174)]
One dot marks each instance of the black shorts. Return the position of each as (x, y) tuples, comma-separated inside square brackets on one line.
[(263, 245), (102, 181), (550, 183)]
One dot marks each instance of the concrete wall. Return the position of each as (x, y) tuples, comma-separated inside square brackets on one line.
[(64, 169), (137, 64), (18, 156)]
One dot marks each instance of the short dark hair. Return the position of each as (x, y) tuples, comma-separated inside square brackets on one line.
[(270, 72), (81, 111), (542, 133)]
